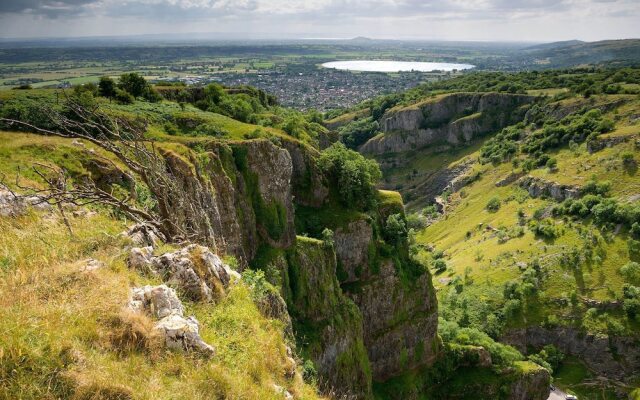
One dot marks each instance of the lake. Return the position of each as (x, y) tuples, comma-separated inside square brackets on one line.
[(394, 66)]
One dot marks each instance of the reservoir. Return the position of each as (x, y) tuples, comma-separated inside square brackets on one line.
[(394, 66)]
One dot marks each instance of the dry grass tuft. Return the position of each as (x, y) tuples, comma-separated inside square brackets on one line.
[(132, 331)]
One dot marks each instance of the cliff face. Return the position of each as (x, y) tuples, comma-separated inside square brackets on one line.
[(613, 357), (399, 314), (328, 324), (454, 118), (379, 323)]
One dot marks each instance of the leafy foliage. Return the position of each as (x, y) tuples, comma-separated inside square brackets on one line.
[(353, 175)]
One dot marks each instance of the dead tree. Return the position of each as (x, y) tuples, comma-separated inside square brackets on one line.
[(181, 213)]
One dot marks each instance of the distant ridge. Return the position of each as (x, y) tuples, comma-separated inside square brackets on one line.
[(555, 45)]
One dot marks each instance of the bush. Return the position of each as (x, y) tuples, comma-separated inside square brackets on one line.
[(631, 272), (493, 205), (395, 228), (440, 265), (545, 228), (353, 175), (123, 97), (358, 132)]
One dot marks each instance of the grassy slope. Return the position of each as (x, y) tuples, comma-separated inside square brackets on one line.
[(475, 251), (62, 329)]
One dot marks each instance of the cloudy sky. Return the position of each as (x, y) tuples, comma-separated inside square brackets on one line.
[(511, 20)]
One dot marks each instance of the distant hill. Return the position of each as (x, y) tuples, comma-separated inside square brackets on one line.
[(574, 53), (554, 45)]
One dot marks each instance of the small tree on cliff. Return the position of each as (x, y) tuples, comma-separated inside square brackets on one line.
[(353, 175)]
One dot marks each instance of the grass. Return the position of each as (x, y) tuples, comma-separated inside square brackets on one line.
[(62, 332), (65, 335)]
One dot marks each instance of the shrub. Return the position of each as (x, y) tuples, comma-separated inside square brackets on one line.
[(395, 228), (123, 97), (631, 272), (493, 205), (328, 238), (440, 265), (627, 159), (545, 228), (552, 164), (353, 175)]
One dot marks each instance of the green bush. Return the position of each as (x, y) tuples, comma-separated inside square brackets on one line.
[(353, 175), (631, 272), (493, 205)]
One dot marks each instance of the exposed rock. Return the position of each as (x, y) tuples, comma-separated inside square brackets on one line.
[(195, 270), (159, 301), (530, 385), (600, 143), (509, 179), (318, 306), (90, 265), (455, 118), (251, 196), (538, 187), (145, 234), (141, 259), (162, 303), (352, 250), (613, 357), (399, 318), (282, 391), (183, 334), (452, 178), (309, 185), (13, 205)]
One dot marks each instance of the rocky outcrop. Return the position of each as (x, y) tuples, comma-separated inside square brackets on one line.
[(538, 187), (600, 143), (194, 270), (144, 234), (454, 118), (353, 243), (400, 321), (613, 357), (162, 303), (13, 205), (528, 382)]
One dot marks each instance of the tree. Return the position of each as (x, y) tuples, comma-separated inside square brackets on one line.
[(395, 228), (353, 175), (107, 87), (133, 83)]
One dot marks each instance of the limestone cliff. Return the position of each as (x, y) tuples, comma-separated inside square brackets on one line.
[(399, 314), (453, 118), (328, 325)]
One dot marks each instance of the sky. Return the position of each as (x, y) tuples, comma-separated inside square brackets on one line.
[(483, 20)]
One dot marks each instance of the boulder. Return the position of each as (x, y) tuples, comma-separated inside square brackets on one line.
[(162, 303), (141, 259), (183, 334), (90, 265)]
